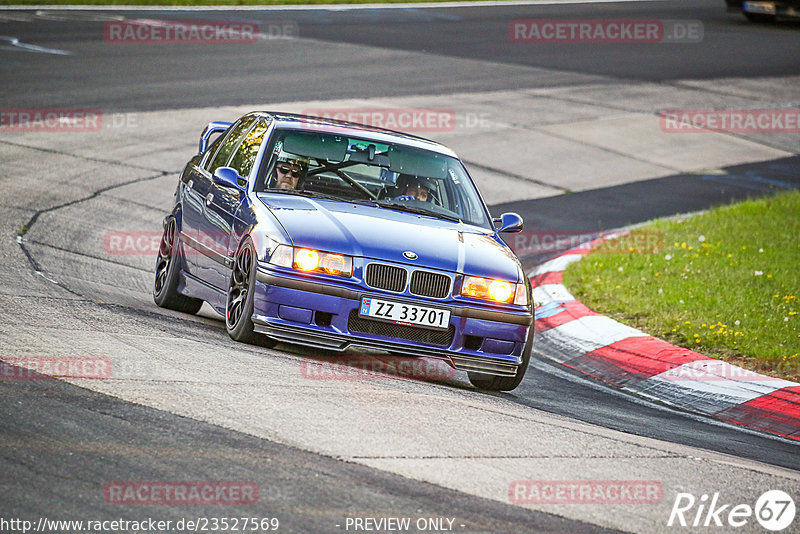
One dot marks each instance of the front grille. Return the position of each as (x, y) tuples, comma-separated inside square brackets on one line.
[(442, 338), (428, 284), (388, 277)]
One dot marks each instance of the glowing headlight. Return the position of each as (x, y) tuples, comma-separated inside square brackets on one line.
[(334, 264), (488, 289), (306, 259), (310, 260), (500, 291)]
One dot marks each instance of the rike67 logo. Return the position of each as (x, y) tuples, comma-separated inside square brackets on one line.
[(774, 510)]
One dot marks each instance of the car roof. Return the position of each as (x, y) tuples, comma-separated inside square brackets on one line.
[(352, 129)]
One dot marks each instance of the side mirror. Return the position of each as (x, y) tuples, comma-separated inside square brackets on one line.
[(509, 222), (227, 177), (211, 129)]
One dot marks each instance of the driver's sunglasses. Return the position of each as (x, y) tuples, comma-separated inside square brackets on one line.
[(285, 169)]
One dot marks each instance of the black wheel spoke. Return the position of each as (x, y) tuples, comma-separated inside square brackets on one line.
[(161, 275), (237, 275), (234, 312)]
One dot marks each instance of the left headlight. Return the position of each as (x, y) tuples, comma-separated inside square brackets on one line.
[(310, 260), (494, 290)]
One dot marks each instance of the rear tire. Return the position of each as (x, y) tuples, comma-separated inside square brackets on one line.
[(504, 383), (239, 304), (165, 287)]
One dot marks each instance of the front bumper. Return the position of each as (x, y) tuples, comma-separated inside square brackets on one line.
[(308, 312)]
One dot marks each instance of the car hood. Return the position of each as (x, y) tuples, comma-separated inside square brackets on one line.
[(384, 234)]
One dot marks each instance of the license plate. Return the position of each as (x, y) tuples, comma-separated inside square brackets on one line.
[(404, 313), (767, 8)]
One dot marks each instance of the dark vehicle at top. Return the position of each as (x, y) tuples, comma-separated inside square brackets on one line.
[(759, 11)]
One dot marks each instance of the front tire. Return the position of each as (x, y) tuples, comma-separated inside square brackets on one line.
[(239, 304), (165, 287), (504, 383)]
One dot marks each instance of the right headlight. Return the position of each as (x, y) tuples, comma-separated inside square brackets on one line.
[(310, 260), (493, 290)]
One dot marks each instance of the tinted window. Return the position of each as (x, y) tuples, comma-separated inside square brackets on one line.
[(231, 142), (212, 148), (394, 176), (246, 154)]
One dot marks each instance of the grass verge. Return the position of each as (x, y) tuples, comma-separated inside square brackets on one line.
[(725, 283)]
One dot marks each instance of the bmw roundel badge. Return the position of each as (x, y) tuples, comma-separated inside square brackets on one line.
[(410, 255)]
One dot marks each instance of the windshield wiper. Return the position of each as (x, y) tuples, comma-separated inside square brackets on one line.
[(302, 193), (337, 170), (417, 210), (317, 194)]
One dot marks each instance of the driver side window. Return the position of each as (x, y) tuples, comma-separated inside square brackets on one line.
[(245, 156), (231, 142)]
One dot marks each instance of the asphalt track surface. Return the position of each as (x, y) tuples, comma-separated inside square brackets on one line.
[(82, 438), (139, 78), (61, 442)]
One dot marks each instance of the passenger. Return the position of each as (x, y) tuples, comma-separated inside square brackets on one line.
[(414, 188)]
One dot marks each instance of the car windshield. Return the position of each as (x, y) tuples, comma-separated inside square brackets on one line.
[(394, 176)]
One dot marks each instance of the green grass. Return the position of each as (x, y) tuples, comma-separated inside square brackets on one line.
[(725, 283), (197, 2)]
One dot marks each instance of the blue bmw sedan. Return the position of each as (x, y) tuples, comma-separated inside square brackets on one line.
[(332, 234)]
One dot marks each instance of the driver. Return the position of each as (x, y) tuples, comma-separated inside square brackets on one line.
[(290, 170), (414, 188)]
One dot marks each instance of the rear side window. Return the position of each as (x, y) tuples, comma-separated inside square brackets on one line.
[(246, 154), (232, 140), (211, 150)]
